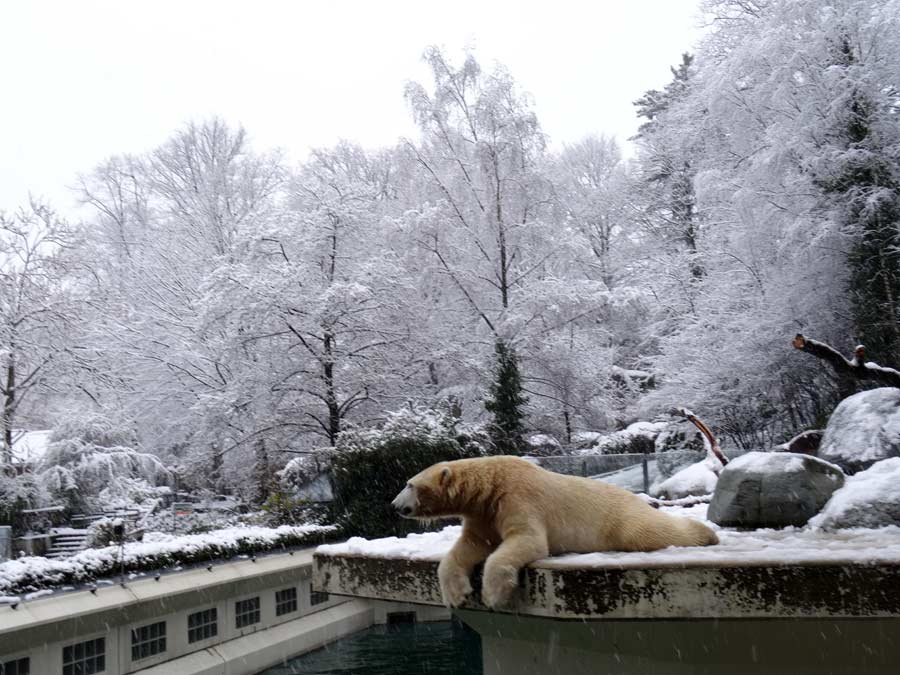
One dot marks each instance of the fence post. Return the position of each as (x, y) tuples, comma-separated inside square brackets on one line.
[(646, 469)]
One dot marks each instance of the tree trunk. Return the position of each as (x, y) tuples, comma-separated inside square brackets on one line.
[(261, 472), (334, 410), (9, 404)]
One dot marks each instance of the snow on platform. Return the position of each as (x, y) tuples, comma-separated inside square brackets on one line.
[(789, 546), (788, 573)]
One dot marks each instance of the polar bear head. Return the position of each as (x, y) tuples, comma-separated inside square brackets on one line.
[(431, 493)]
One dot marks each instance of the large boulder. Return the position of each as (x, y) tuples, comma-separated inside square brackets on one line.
[(638, 437), (871, 498), (693, 480), (863, 429), (542, 445), (765, 489)]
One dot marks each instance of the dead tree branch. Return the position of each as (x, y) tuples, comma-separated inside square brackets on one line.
[(856, 367), (713, 443)]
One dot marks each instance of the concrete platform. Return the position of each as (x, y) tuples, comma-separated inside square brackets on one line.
[(792, 619), (561, 591)]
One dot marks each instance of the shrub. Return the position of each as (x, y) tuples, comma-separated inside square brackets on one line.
[(283, 509), (371, 466), (93, 463)]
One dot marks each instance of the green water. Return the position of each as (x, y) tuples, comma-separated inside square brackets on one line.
[(443, 648)]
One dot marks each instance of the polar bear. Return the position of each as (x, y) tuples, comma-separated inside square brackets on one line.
[(514, 513)]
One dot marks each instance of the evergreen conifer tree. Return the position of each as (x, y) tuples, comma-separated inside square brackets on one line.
[(506, 402), (863, 183)]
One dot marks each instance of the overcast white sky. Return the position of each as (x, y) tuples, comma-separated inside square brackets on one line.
[(84, 79)]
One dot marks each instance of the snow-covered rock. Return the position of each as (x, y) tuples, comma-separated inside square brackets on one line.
[(680, 435), (692, 481), (637, 437), (871, 498), (542, 445), (764, 489), (679, 445), (863, 429), (584, 440)]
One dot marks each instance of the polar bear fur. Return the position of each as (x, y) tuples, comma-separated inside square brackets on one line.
[(514, 513)]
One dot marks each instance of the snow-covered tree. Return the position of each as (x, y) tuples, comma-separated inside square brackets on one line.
[(93, 463), (510, 275), (37, 310)]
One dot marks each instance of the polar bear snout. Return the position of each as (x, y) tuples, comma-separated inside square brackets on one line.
[(406, 503)]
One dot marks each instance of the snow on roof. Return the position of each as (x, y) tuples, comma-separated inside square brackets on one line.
[(29, 446), (736, 548)]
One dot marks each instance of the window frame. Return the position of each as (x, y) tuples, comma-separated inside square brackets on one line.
[(206, 628), (91, 663), (286, 601), (6, 667), (247, 612), (155, 643), (318, 597)]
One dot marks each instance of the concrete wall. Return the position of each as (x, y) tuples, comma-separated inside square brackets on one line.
[(41, 628), (532, 646)]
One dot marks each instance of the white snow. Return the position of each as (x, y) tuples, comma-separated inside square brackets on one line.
[(758, 547), (30, 446), (424, 546), (768, 461), (38, 594)]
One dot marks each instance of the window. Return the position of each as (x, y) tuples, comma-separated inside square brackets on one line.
[(285, 601), (16, 667), (202, 625), (317, 598), (148, 640), (246, 612), (85, 658)]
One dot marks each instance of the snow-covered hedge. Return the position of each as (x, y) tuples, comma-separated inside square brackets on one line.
[(162, 551), (372, 465)]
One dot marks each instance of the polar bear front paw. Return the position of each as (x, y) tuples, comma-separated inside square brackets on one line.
[(455, 584), (498, 585)]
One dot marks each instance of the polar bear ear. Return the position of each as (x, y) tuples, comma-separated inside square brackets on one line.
[(445, 480)]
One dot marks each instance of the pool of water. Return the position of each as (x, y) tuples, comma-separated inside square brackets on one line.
[(443, 648)]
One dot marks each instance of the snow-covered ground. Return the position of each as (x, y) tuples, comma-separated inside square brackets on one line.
[(758, 547)]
